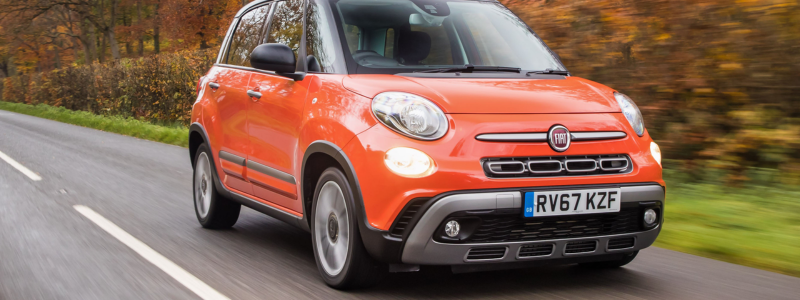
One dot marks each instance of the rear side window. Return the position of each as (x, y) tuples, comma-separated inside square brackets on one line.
[(248, 36), (388, 50), (286, 26), (352, 34)]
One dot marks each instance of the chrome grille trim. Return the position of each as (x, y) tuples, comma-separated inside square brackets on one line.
[(557, 166), (597, 135), (542, 136), (610, 160), (505, 163), (567, 162), (541, 162), (513, 137)]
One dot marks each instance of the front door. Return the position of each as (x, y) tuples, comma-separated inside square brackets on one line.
[(275, 118)]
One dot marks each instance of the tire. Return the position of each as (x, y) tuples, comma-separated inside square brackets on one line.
[(339, 252), (611, 264), (213, 211)]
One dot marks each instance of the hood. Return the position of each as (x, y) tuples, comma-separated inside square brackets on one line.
[(495, 96)]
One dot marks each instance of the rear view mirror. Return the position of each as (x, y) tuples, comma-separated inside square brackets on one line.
[(278, 58), (425, 20)]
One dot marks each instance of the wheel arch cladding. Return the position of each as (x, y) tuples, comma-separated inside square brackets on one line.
[(197, 137), (377, 242)]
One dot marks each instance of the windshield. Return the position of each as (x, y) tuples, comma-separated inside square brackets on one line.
[(400, 36)]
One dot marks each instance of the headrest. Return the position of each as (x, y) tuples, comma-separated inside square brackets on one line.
[(413, 46)]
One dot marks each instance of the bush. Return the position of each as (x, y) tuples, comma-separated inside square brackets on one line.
[(158, 89)]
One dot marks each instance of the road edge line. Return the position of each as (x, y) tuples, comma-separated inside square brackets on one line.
[(20, 167), (173, 270)]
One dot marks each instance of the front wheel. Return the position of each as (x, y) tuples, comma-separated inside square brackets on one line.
[(341, 257)]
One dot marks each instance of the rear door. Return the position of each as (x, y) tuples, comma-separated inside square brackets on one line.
[(274, 119), (232, 100)]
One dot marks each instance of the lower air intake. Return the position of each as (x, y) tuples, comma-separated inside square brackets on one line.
[(580, 247), (621, 243), (535, 250), (486, 253)]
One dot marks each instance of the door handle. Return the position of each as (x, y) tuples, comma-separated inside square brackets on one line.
[(254, 94), (213, 85)]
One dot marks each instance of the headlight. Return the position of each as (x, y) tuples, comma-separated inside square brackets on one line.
[(655, 151), (409, 162), (631, 112), (410, 115)]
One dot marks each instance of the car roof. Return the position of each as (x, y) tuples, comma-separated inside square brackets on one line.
[(251, 5), (259, 2)]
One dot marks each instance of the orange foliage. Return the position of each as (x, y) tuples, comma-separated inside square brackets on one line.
[(716, 80)]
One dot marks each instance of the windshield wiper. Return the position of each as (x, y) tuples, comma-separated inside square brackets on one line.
[(549, 71), (470, 68)]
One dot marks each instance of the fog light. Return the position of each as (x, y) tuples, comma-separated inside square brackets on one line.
[(409, 162), (650, 217), (452, 228)]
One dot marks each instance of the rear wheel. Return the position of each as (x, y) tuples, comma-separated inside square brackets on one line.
[(610, 264), (212, 209), (341, 257)]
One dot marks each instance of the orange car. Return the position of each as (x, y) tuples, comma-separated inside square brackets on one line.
[(403, 133)]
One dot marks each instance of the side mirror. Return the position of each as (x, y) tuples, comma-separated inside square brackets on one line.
[(278, 58)]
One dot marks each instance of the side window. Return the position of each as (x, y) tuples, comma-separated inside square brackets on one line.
[(320, 37), (286, 26), (352, 34), (247, 36), (388, 50)]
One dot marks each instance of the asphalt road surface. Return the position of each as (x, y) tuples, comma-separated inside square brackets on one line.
[(50, 250)]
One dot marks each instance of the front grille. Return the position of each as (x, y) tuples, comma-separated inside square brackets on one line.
[(536, 250), (513, 227), (621, 243), (580, 247), (486, 253), (552, 166), (406, 216)]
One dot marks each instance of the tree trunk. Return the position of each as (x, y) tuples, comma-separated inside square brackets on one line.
[(76, 40), (101, 53), (139, 24), (57, 57), (126, 20), (107, 30), (91, 44), (87, 59), (12, 67), (112, 43), (156, 33)]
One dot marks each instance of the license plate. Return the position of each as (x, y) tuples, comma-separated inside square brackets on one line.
[(571, 202)]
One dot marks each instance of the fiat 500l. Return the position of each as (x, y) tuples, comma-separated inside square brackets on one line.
[(402, 133)]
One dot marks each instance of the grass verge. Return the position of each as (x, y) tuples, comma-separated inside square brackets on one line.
[(756, 226), (174, 135)]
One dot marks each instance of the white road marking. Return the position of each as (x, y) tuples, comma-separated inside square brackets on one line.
[(20, 167), (187, 279)]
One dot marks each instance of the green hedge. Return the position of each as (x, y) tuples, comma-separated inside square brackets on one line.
[(159, 88)]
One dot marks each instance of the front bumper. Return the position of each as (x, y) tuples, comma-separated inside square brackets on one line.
[(421, 248)]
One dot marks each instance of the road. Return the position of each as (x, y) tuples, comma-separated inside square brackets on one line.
[(48, 250)]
